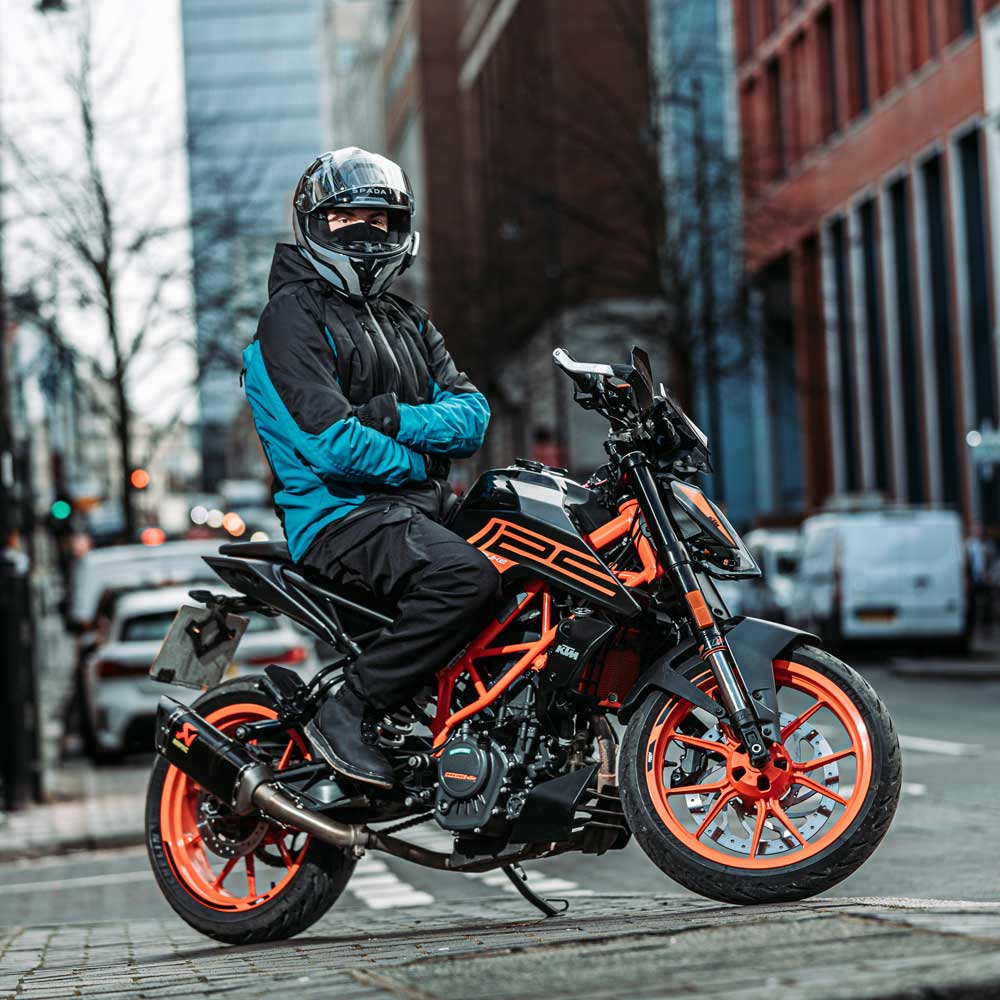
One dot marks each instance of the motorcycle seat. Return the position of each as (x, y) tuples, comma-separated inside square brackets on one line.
[(269, 551)]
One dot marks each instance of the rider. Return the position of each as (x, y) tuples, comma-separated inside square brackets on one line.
[(358, 406)]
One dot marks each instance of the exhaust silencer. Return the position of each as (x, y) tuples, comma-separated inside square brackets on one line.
[(220, 765)]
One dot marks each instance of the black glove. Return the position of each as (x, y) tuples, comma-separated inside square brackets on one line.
[(380, 413), (438, 466)]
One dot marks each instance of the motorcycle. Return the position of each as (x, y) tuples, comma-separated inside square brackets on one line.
[(752, 765)]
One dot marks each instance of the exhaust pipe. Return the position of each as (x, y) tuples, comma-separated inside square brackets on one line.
[(227, 770)]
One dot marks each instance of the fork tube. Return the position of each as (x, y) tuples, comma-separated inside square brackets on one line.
[(676, 563)]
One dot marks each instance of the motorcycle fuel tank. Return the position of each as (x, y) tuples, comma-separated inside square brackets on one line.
[(519, 519)]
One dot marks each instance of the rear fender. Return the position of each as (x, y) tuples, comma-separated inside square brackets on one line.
[(755, 645)]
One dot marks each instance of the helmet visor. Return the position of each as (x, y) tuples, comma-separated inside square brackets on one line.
[(354, 230), (355, 177)]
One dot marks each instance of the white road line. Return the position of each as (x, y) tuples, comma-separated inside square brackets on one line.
[(914, 788), (118, 878), (946, 748)]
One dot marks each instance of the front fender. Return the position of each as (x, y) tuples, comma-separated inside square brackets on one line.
[(754, 643)]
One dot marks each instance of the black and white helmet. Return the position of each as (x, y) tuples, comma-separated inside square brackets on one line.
[(360, 261)]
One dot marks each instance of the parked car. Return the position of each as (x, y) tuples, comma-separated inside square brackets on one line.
[(776, 552), (895, 573), (121, 698)]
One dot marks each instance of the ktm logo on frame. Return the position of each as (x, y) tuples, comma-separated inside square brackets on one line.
[(184, 737), (500, 541)]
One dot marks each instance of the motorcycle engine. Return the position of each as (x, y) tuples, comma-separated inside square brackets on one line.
[(471, 775)]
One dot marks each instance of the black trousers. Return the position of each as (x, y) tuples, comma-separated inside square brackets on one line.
[(441, 587)]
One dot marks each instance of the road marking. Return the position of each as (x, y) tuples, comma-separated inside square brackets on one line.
[(946, 748), (914, 788), (117, 878), (376, 886)]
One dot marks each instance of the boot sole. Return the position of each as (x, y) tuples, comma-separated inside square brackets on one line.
[(320, 742)]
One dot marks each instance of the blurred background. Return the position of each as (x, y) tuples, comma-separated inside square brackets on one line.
[(793, 205)]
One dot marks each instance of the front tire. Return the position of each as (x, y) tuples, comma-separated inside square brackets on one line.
[(237, 880), (723, 829)]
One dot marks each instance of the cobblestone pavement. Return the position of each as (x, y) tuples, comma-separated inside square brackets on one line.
[(100, 807), (608, 946)]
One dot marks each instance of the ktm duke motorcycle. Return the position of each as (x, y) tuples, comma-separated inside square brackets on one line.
[(753, 766)]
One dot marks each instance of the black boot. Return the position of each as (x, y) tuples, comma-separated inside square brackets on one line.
[(344, 734)]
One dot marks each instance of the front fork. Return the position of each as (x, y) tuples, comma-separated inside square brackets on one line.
[(714, 649)]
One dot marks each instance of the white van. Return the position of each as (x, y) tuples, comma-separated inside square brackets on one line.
[(891, 573), (776, 552)]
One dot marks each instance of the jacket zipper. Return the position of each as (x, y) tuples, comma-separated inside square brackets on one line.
[(385, 344)]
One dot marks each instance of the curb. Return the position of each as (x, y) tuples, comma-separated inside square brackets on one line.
[(72, 845)]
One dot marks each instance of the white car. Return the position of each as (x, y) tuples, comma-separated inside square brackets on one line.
[(895, 573), (120, 695)]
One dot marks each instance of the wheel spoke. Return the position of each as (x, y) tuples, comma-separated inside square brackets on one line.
[(801, 779), (811, 765), (221, 877), (758, 828), (786, 822), (694, 741), (715, 786), (285, 856), (723, 800), (251, 878), (787, 731)]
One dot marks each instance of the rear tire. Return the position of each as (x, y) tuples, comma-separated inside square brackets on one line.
[(756, 877), (300, 899)]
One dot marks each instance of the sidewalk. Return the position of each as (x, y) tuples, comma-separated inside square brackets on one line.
[(92, 807), (982, 663), (612, 946)]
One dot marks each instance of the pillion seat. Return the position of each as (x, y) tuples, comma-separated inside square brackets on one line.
[(269, 551)]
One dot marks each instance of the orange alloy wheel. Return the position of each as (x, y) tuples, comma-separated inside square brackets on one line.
[(190, 830), (793, 808)]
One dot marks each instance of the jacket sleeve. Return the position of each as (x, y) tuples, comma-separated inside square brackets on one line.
[(454, 421), (298, 380)]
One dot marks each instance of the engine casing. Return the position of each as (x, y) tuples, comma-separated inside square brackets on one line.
[(471, 777)]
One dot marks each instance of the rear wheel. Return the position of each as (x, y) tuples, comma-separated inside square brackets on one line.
[(238, 879), (811, 817)]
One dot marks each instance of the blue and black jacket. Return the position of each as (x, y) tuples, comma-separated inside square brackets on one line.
[(350, 399)]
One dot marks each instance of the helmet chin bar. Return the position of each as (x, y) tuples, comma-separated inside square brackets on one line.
[(357, 277)]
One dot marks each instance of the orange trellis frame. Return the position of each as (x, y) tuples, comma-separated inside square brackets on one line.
[(533, 655)]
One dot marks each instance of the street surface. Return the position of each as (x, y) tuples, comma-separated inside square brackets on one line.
[(939, 847)]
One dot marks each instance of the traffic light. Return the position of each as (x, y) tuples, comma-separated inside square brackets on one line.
[(61, 510)]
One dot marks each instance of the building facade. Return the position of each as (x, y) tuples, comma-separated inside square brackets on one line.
[(871, 172), (255, 98), (693, 64), (561, 209)]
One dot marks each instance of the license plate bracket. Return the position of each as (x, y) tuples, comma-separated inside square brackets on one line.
[(198, 647)]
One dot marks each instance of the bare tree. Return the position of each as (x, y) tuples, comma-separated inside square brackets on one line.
[(112, 255)]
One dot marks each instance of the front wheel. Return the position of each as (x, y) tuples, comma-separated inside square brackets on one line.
[(810, 818), (238, 879)]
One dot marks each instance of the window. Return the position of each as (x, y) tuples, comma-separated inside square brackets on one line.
[(829, 100), (857, 49), (798, 136), (845, 356), (984, 404), (920, 33), (960, 18), (873, 337), (782, 396), (909, 373), (775, 124), (749, 35), (941, 335), (885, 48)]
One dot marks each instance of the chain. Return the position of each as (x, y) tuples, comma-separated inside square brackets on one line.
[(412, 821)]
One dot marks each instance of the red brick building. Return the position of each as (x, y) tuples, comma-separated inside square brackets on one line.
[(871, 173)]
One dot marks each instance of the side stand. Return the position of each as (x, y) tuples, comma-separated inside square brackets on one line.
[(520, 882)]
